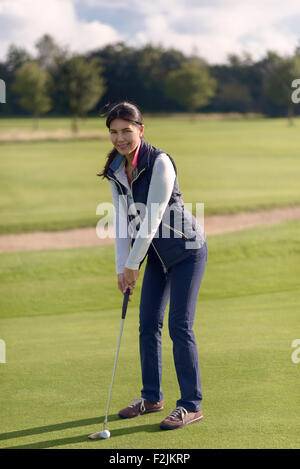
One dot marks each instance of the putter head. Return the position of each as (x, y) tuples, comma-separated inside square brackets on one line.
[(95, 436), (104, 434)]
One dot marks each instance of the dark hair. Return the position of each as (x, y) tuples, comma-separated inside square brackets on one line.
[(123, 110)]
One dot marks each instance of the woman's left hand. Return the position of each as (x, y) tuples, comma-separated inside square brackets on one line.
[(130, 276)]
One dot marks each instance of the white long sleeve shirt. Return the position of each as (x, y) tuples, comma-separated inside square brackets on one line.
[(160, 190)]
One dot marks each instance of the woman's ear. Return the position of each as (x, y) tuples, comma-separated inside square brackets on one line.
[(142, 130)]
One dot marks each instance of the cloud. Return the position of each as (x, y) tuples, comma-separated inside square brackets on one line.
[(23, 22), (220, 28), (215, 28)]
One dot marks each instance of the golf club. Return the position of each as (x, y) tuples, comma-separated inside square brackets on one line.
[(106, 433)]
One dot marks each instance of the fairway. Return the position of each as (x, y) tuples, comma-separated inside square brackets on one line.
[(246, 164), (60, 319)]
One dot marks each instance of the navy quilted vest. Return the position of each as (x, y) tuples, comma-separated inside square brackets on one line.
[(170, 241)]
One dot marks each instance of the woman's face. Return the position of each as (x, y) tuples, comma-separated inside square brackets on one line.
[(125, 135)]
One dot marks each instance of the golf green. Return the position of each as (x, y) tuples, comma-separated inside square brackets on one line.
[(61, 314)]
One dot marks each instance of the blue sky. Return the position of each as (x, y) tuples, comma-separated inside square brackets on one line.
[(212, 29)]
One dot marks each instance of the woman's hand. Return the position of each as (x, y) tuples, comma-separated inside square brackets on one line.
[(121, 284), (127, 280), (130, 276)]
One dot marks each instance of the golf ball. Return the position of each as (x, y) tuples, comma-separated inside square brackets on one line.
[(105, 434)]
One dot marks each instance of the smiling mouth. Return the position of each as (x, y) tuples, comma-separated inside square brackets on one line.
[(123, 147)]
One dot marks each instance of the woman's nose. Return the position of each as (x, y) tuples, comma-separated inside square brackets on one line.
[(120, 139)]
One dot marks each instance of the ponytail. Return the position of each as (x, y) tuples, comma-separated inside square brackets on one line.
[(109, 159)]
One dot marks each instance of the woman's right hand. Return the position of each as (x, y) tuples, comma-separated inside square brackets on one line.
[(122, 285)]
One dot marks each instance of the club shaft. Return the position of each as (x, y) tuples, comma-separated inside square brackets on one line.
[(115, 365)]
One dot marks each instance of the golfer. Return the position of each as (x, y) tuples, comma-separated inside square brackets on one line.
[(151, 221)]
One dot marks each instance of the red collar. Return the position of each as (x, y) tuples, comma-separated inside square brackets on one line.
[(135, 158)]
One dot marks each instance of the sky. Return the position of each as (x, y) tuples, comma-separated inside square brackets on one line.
[(211, 29)]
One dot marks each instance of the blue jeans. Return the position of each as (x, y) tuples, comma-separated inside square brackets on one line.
[(181, 285)]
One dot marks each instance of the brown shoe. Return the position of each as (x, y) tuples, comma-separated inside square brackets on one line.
[(179, 418), (139, 407)]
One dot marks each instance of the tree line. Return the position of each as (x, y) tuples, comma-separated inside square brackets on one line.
[(57, 82)]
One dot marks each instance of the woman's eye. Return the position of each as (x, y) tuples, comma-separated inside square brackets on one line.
[(112, 132)]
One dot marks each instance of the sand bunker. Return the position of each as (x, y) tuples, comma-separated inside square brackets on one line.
[(84, 237)]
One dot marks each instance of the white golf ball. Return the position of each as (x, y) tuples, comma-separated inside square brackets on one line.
[(105, 434)]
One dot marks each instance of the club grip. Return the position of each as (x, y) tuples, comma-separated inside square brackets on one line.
[(125, 303)]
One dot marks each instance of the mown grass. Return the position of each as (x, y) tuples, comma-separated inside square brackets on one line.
[(230, 166), (61, 314)]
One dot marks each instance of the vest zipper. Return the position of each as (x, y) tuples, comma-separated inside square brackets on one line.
[(163, 265), (115, 180), (136, 179), (176, 231)]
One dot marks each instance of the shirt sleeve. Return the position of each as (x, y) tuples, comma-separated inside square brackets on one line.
[(122, 238), (160, 190)]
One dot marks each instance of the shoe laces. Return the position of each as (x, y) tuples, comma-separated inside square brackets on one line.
[(179, 412), (140, 401)]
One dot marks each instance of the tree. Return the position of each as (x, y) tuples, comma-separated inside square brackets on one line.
[(80, 85), (16, 57), (244, 61), (48, 52), (154, 63), (32, 84), (234, 96), (191, 85), (280, 73), (119, 71)]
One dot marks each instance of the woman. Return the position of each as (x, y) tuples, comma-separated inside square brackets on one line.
[(150, 220)]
